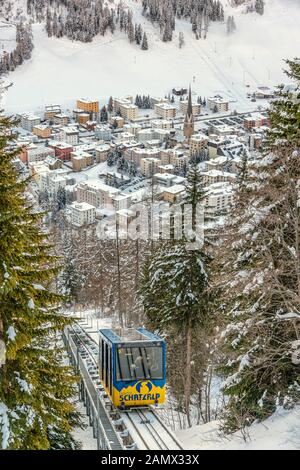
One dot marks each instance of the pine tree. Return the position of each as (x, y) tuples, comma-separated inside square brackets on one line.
[(259, 6), (174, 287), (258, 278), (36, 389), (181, 40), (110, 106), (284, 113), (145, 42)]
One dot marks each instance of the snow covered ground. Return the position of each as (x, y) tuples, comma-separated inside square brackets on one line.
[(280, 432), (61, 70)]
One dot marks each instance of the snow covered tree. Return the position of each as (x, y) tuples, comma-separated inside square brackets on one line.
[(174, 288), (61, 198), (103, 114), (145, 42), (258, 277), (181, 40), (259, 6), (284, 113), (36, 389), (231, 26)]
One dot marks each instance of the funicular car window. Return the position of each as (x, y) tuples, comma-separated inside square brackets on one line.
[(139, 363)]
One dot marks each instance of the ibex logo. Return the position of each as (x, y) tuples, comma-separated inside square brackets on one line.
[(296, 352), (2, 353), (140, 385)]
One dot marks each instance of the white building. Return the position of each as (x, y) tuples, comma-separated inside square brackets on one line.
[(103, 133), (149, 166), (217, 176), (219, 198), (82, 214), (218, 103), (29, 121), (145, 134), (167, 179), (36, 153), (96, 193), (52, 181), (124, 137), (68, 134), (161, 124), (165, 110)]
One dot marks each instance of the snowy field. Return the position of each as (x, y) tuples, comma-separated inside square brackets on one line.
[(61, 70), (280, 432)]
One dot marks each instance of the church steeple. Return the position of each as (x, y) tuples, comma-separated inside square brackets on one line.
[(190, 106), (189, 124)]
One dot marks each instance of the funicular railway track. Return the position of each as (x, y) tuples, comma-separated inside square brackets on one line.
[(139, 429)]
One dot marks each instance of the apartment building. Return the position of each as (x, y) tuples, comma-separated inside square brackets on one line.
[(87, 105), (124, 137), (122, 201), (174, 193), (197, 143), (29, 121), (219, 198), (129, 111), (118, 101), (81, 160), (69, 135), (161, 124), (51, 111), (174, 157), (126, 108), (103, 133), (96, 193), (183, 106), (82, 214), (158, 100), (117, 121), (218, 163), (165, 110), (218, 104), (133, 128), (101, 152), (223, 130), (217, 176), (149, 166), (62, 150), (256, 120), (52, 181), (33, 153), (161, 135), (137, 154), (83, 118), (42, 131), (168, 179), (61, 119), (144, 135)]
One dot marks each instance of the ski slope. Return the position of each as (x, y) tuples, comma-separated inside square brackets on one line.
[(61, 70)]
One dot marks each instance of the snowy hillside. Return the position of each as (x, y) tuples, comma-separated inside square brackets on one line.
[(280, 431), (61, 70)]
